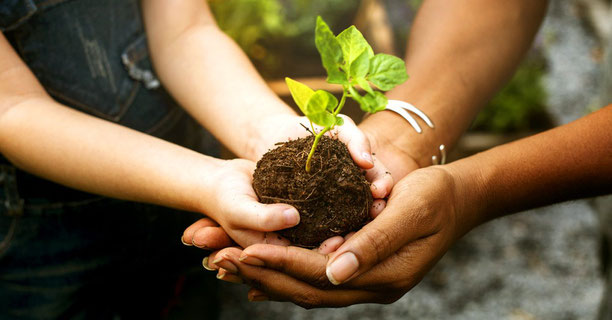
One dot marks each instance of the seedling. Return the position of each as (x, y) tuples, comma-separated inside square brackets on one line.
[(350, 62)]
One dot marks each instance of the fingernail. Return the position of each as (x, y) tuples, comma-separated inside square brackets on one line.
[(205, 265), (367, 157), (251, 260), (259, 298), (201, 246), (185, 243), (292, 217), (218, 259), (342, 268), (223, 275), (227, 265)]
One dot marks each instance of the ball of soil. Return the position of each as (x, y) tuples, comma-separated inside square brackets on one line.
[(334, 198)]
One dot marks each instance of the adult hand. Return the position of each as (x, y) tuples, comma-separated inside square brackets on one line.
[(379, 263), (396, 143)]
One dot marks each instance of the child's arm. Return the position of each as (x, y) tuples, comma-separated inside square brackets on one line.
[(58, 143)]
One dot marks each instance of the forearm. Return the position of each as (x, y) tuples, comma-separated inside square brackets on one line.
[(565, 163), (209, 75), (459, 54), (86, 153)]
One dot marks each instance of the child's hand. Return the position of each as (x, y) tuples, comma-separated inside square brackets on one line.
[(232, 203)]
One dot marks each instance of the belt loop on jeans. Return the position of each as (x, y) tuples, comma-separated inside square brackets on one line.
[(9, 196)]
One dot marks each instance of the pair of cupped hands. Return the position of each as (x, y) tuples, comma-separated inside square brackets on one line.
[(409, 232)]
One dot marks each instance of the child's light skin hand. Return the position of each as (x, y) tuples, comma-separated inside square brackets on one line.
[(234, 206)]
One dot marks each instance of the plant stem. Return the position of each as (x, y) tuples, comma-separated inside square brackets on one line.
[(345, 94), (320, 134), (314, 147), (342, 100)]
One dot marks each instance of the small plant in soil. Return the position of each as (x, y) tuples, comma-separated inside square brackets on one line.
[(317, 174)]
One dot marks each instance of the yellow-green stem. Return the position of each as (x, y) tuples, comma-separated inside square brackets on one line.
[(314, 147), (320, 134)]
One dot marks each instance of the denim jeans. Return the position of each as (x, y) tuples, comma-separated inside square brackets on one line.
[(69, 254)]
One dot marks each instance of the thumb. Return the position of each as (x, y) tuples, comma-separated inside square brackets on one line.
[(357, 143), (376, 241), (252, 215)]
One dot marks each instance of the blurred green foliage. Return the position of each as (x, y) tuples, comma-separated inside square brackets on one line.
[(249, 21), (278, 36), (520, 105)]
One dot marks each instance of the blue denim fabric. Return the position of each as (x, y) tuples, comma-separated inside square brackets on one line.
[(66, 254)]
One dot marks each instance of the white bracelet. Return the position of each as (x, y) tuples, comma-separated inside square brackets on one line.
[(402, 108)]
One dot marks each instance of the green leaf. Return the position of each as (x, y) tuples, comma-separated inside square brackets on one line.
[(320, 101), (324, 119), (331, 52), (353, 44), (387, 71), (339, 121), (375, 102), (300, 92), (318, 106), (361, 66), (363, 83), (371, 102)]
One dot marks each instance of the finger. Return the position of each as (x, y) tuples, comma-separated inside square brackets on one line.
[(187, 237), (330, 245), (349, 235), (207, 262), (357, 143), (220, 259), (399, 272), (252, 215), (228, 277), (377, 207), (247, 238), (300, 263), (255, 295), (281, 287), (211, 238), (395, 226), (381, 180), (404, 269)]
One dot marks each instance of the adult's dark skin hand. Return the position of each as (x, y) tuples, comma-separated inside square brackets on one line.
[(427, 211), (379, 263)]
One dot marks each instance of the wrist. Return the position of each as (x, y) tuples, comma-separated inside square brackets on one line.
[(390, 134), (209, 176), (263, 132), (470, 191)]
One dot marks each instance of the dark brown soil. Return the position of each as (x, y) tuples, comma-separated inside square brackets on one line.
[(334, 198)]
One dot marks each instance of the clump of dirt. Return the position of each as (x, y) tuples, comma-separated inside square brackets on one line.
[(334, 198)]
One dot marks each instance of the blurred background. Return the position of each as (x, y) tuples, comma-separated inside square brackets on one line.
[(541, 264)]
